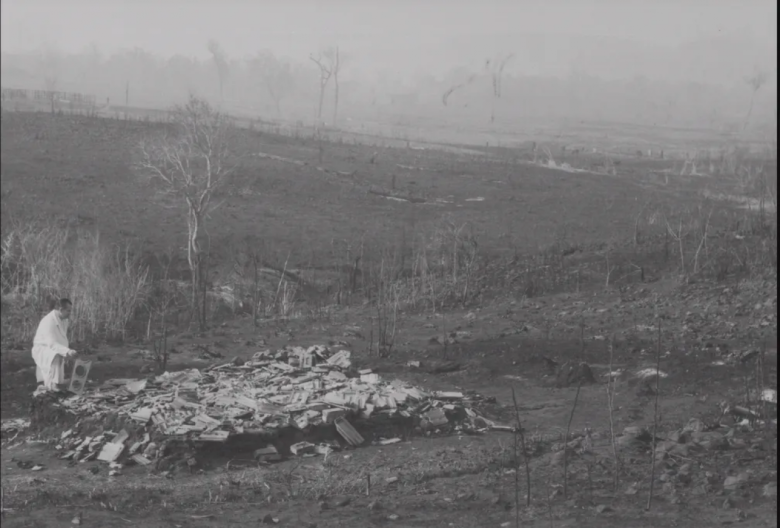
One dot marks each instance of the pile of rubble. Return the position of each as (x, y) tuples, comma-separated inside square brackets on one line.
[(293, 388)]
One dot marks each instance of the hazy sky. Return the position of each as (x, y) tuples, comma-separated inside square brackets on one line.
[(297, 27)]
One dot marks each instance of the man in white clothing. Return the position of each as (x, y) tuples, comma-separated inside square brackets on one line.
[(50, 346)]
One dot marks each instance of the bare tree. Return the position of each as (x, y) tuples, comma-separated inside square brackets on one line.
[(275, 74), (49, 63), (161, 302), (192, 166), (496, 74), (248, 266), (326, 72), (335, 65), (221, 61), (457, 86), (756, 81)]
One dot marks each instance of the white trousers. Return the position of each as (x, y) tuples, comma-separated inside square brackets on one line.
[(51, 374)]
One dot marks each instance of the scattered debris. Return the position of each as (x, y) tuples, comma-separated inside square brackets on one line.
[(434, 418), (349, 433), (12, 428), (140, 460), (302, 448), (574, 373), (770, 490), (736, 481), (267, 454), (650, 373), (444, 368), (269, 519), (110, 452)]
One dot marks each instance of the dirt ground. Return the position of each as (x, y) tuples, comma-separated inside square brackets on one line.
[(77, 171), (456, 481)]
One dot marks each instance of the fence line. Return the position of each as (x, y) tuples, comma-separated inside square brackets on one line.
[(20, 94)]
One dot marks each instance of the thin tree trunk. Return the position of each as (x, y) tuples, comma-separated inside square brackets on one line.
[(322, 98), (335, 70), (194, 260), (750, 110), (202, 276), (255, 293), (336, 100)]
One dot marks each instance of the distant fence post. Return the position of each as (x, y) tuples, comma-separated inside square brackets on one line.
[(72, 98)]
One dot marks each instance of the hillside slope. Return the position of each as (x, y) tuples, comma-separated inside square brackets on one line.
[(78, 171)]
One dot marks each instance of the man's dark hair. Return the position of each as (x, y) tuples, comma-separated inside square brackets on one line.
[(64, 303)]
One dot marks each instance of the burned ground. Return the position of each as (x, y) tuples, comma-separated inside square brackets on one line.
[(509, 339)]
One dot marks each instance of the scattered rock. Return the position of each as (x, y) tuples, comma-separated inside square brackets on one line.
[(769, 490), (736, 482), (603, 508), (679, 437), (574, 373), (343, 501), (711, 441), (443, 368)]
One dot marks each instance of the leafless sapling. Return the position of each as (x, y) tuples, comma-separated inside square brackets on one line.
[(755, 81), (497, 78), (326, 72), (655, 415), (192, 165), (220, 59)]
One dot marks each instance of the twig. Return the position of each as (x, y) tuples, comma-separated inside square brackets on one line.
[(571, 418), (760, 382), (521, 432), (589, 467), (655, 415), (516, 464), (549, 500), (702, 242), (566, 442), (610, 404)]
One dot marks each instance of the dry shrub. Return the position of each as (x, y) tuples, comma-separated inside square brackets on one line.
[(39, 265)]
